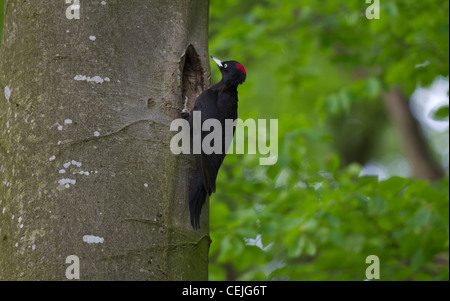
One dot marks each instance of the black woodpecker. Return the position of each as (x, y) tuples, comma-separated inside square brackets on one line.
[(219, 102)]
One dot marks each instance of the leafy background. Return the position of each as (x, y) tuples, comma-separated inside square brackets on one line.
[(321, 68)]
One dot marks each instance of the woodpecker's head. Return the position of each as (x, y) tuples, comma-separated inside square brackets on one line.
[(232, 72)]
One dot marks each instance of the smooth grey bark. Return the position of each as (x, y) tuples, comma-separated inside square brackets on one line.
[(85, 113)]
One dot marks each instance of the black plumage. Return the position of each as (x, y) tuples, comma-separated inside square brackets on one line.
[(219, 102)]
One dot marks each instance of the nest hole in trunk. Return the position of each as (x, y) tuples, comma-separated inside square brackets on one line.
[(193, 83)]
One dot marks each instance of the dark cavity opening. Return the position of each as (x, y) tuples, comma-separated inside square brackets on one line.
[(193, 83)]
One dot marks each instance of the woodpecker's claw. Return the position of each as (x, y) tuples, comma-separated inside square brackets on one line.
[(185, 112)]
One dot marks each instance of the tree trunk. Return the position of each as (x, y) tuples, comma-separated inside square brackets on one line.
[(86, 167), (413, 142)]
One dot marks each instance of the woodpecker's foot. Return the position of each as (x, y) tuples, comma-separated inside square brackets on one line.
[(185, 112)]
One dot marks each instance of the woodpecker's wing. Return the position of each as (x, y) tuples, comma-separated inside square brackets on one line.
[(208, 165)]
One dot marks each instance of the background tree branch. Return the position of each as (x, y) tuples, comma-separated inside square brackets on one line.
[(413, 141)]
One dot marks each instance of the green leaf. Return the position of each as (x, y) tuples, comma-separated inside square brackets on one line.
[(373, 87), (298, 248), (421, 217), (333, 162), (310, 248), (378, 205), (354, 243), (441, 113), (417, 259)]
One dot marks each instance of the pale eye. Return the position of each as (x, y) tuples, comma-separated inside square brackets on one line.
[(225, 66)]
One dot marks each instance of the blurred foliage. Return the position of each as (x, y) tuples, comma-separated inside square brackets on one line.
[(321, 68), (442, 113), (321, 225)]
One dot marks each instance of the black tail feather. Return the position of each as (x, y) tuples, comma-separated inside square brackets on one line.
[(197, 197)]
